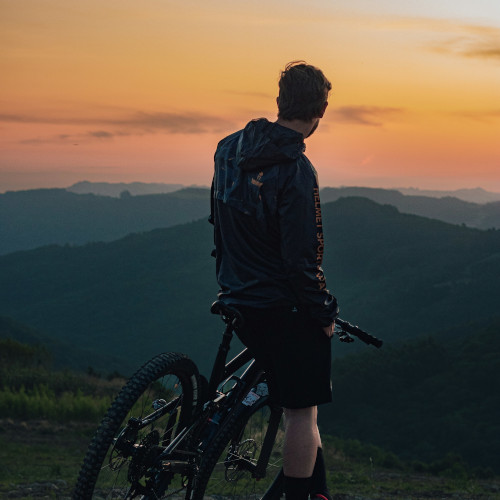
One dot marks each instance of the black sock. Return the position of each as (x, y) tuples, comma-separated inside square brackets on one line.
[(296, 488), (318, 478)]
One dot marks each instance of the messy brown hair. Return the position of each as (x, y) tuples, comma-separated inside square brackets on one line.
[(303, 91)]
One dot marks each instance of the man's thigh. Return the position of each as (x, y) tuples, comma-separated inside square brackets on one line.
[(295, 353)]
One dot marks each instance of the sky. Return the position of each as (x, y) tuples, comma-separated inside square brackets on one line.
[(122, 90)]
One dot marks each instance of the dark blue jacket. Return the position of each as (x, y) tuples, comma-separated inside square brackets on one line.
[(267, 222)]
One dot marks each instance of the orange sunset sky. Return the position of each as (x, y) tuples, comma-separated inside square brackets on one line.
[(129, 90)]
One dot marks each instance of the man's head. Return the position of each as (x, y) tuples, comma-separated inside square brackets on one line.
[(303, 92)]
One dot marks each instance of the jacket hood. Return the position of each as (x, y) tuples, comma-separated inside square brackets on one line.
[(263, 143)]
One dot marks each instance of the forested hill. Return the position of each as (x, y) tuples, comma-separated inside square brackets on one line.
[(29, 219), (447, 208), (405, 274), (424, 398), (396, 275), (62, 353)]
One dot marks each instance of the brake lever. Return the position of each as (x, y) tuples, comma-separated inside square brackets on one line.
[(343, 335)]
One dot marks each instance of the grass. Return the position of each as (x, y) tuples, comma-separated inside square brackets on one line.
[(41, 452), (363, 477), (42, 459)]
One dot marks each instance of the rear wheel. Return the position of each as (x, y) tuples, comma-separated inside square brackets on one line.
[(120, 459), (240, 441)]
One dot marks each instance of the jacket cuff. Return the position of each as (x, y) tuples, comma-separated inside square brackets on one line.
[(326, 317)]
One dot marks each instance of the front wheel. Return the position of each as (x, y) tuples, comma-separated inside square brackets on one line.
[(224, 472), (118, 460)]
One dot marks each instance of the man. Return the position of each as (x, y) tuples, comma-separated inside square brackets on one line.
[(269, 249)]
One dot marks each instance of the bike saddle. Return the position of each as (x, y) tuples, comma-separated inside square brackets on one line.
[(232, 314)]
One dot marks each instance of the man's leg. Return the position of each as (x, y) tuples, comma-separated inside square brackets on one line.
[(299, 451), (302, 441)]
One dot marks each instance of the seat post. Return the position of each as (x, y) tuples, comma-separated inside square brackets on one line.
[(220, 361)]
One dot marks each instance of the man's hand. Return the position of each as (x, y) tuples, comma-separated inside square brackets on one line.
[(329, 329)]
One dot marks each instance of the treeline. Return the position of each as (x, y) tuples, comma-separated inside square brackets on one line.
[(31, 389), (425, 398)]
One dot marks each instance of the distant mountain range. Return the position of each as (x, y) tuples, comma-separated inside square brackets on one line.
[(448, 209), (396, 275), (33, 218), (29, 219), (474, 195), (116, 189)]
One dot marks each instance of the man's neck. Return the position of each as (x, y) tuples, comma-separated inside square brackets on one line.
[(299, 126)]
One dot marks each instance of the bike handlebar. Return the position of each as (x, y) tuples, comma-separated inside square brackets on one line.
[(345, 330), (232, 317)]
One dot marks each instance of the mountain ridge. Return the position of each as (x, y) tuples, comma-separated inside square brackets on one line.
[(33, 218), (396, 275)]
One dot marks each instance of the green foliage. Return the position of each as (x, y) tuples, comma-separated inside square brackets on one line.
[(358, 452), (31, 390), (41, 401), (14, 354), (423, 399)]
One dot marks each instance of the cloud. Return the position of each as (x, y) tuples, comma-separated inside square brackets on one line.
[(186, 123), (482, 116), (372, 116), (71, 138), (101, 134), (37, 141), (54, 139), (471, 45), (137, 123), (474, 41)]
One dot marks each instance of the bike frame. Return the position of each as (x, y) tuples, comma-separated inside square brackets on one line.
[(176, 459), (184, 452)]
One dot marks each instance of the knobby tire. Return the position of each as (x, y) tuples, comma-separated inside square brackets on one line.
[(105, 471)]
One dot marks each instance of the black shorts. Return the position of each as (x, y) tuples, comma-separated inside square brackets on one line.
[(295, 352)]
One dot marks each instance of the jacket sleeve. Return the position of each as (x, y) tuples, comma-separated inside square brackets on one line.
[(302, 242)]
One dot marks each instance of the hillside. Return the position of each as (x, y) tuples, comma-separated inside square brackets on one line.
[(474, 195), (446, 208), (63, 353), (429, 405), (424, 398), (401, 274), (396, 275), (29, 219)]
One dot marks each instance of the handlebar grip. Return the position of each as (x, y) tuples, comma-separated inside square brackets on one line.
[(361, 334)]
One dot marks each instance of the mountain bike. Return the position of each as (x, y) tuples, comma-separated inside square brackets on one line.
[(171, 433)]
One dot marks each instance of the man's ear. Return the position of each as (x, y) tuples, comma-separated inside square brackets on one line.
[(323, 109)]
